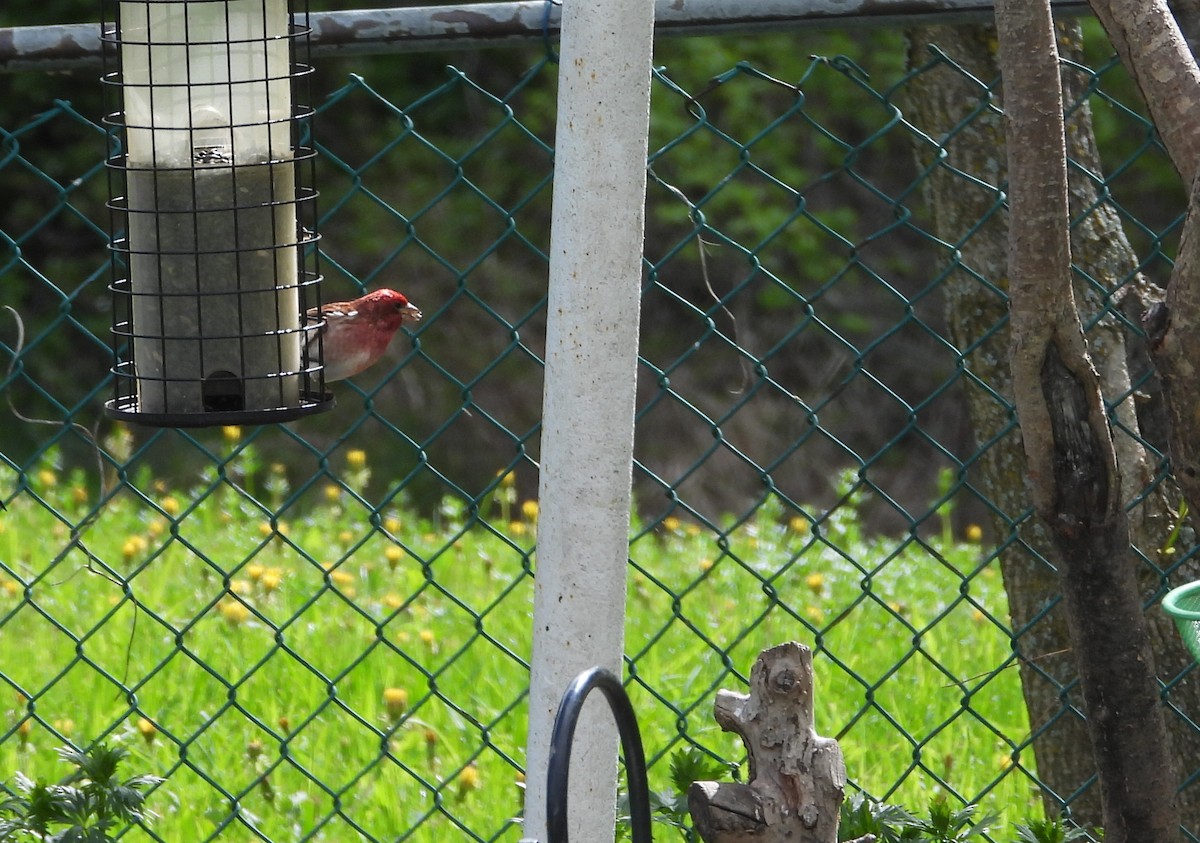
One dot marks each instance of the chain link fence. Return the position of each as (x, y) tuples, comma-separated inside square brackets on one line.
[(320, 630)]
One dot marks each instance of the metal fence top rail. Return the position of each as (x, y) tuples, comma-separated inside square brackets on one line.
[(476, 25)]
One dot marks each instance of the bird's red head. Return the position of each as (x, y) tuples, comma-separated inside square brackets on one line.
[(389, 305)]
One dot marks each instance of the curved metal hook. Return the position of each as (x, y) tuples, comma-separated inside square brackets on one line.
[(559, 768)]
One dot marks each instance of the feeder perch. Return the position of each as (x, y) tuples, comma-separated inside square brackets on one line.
[(1183, 604), (213, 213)]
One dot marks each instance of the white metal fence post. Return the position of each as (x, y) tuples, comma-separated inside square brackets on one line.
[(588, 409)]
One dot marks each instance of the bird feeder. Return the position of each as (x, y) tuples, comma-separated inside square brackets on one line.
[(213, 213)]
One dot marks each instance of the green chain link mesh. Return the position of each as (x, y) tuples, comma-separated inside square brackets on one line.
[(325, 636)]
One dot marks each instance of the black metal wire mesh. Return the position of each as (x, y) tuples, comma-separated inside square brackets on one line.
[(320, 631)]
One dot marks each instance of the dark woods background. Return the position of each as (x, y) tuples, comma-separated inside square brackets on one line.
[(806, 343)]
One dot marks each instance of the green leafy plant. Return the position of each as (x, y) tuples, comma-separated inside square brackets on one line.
[(84, 807), (670, 806), (948, 825), (861, 816), (1049, 831)]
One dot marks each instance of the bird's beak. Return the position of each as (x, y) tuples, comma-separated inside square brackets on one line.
[(410, 312)]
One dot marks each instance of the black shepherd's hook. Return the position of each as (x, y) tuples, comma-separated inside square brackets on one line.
[(559, 768)]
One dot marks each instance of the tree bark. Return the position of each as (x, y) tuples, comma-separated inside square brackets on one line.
[(1074, 476), (949, 100), (1187, 15), (1152, 48)]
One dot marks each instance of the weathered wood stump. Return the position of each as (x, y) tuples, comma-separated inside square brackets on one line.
[(797, 778)]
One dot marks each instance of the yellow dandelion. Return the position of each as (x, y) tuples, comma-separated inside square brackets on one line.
[(11, 588), (393, 555), (240, 586), (395, 700), (332, 492), (147, 730), (427, 638), (799, 525), (1004, 760), (517, 528), (156, 528), (24, 731), (170, 505), (255, 571), (508, 479), (234, 612), (468, 780), (134, 545), (815, 582), (47, 478), (356, 458), (271, 579), (974, 533), (671, 524), (402, 637), (266, 528), (393, 600), (65, 727), (159, 486), (254, 749), (232, 433), (814, 613), (706, 564), (392, 524), (345, 537), (341, 578), (898, 607), (79, 494), (530, 510), (692, 529), (978, 616)]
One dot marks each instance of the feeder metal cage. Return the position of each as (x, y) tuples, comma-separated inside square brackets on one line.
[(213, 209)]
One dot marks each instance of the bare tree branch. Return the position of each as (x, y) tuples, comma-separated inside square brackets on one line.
[(1072, 463), (1153, 50)]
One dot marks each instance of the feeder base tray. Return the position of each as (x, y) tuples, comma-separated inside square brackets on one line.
[(126, 409)]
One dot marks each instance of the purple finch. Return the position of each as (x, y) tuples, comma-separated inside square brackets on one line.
[(355, 334)]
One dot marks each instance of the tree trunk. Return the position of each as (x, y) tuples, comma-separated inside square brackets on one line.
[(941, 101), (1147, 38), (1074, 478)]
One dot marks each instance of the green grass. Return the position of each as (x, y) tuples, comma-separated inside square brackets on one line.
[(305, 665)]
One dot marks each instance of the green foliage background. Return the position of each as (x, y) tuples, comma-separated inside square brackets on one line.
[(430, 186)]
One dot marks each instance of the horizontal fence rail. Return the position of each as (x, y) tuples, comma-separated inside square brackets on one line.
[(477, 25)]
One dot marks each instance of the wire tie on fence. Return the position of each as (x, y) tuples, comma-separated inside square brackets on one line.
[(845, 65), (551, 53), (87, 434)]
